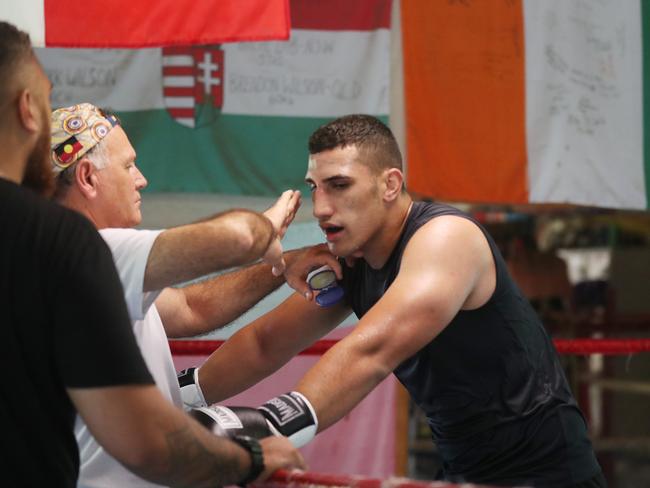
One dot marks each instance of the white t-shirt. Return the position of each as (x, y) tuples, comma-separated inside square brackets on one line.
[(130, 248)]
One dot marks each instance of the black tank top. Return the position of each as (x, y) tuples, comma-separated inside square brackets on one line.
[(491, 385)]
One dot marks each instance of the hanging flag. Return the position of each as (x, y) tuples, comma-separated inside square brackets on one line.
[(517, 101), (235, 118), (191, 76), (143, 23)]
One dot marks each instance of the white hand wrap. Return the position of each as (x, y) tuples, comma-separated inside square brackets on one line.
[(291, 415), (191, 393)]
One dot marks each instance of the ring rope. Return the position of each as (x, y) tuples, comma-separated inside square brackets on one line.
[(563, 346), (285, 479)]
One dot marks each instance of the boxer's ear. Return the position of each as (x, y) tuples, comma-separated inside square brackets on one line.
[(393, 180)]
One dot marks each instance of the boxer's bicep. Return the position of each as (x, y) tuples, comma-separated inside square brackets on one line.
[(438, 272)]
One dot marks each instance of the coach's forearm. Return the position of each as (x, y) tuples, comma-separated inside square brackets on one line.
[(192, 457), (237, 293), (184, 253), (157, 441), (213, 303)]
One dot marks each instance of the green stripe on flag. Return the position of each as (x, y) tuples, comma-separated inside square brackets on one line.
[(645, 29), (231, 154)]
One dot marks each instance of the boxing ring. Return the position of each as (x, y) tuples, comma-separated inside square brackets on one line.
[(284, 479), (563, 346), (589, 391)]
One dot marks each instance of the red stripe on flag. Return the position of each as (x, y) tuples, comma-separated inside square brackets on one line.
[(145, 23), (177, 50), (179, 71), (181, 112), (337, 15), (178, 91)]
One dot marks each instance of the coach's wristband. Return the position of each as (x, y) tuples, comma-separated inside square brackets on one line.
[(253, 447)]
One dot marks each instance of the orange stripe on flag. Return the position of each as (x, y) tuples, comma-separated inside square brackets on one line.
[(464, 71)]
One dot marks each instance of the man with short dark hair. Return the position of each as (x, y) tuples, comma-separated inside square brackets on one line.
[(66, 333), (436, 307)]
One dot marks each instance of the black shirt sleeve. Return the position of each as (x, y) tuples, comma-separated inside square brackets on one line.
[(93, 336)]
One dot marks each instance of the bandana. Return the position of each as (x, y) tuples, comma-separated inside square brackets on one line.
[(75, 131)]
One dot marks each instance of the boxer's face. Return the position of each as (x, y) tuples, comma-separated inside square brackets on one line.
[(347, 200), (119, 183)]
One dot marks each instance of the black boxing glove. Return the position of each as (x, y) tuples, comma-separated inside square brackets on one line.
[(290, 415), (233, 421), (242, 425)]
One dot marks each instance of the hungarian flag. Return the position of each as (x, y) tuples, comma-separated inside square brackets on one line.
[(235, 118), (528, 101), (142, 23)]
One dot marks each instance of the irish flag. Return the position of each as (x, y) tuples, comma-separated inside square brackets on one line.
[(140, 23), (526, 101), (235, 118)]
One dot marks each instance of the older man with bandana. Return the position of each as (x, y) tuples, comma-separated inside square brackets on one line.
[(96, 174)]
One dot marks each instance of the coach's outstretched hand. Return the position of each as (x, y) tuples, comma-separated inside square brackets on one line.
[(281, 214)]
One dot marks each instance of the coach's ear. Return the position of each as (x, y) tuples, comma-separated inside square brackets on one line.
[(85, 178), (394, 180)]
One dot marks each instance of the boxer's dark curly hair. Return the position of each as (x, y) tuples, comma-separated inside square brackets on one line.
[(375, 141)]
